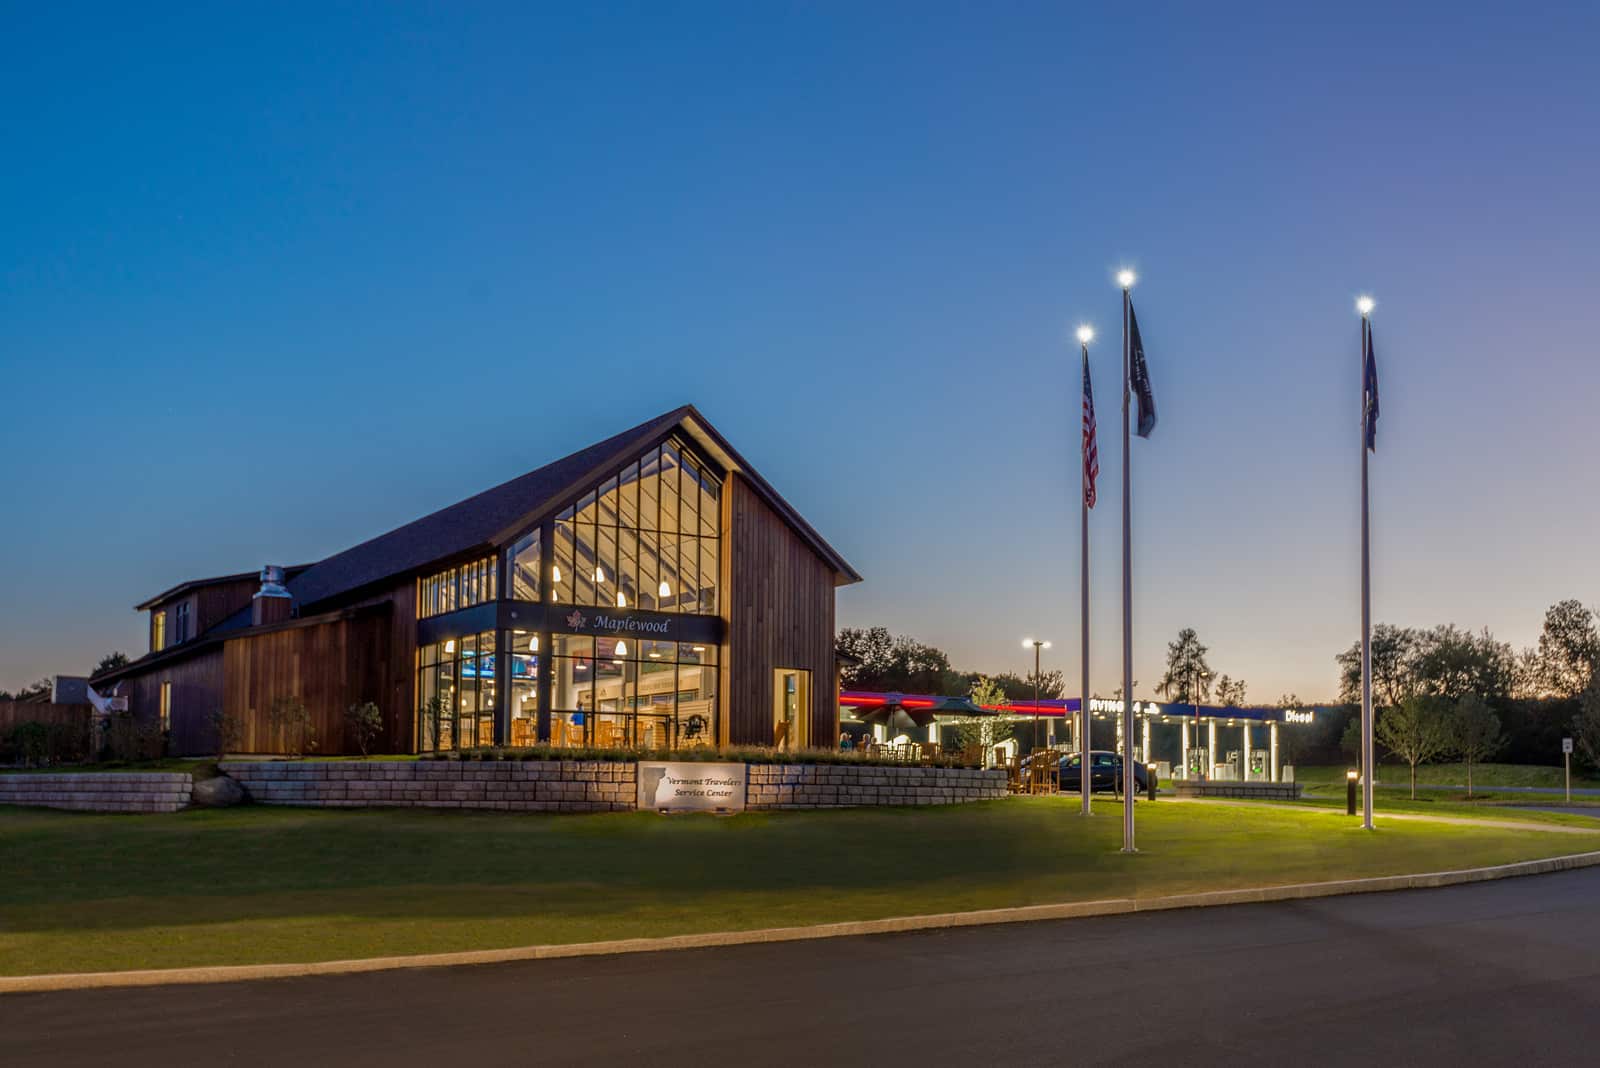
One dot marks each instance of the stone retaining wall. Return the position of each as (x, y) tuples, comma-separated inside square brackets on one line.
[(1259, 791), (519, 785), (848, 785), (99, 792), (588, 786)]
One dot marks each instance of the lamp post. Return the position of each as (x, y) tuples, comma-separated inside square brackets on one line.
[(1085, 335), (1035, 644), (1364, 305)]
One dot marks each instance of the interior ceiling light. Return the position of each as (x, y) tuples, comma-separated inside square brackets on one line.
[(533, 643), (666, 590), (599, 574), (555, 573), (622, 599), (622, 647)]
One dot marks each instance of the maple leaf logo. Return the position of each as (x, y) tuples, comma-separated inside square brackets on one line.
[(576, 620)]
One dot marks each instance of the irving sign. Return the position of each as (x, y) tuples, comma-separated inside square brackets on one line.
[(675, 787)]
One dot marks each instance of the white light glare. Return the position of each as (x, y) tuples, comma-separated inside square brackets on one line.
[(1126, 278), (1085, 334), (1365, 304), (1029, 643)]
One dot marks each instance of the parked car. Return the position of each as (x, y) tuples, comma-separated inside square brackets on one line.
[(1105, 772)]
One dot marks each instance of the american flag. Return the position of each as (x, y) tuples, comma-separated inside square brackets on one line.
[(1091, 450)]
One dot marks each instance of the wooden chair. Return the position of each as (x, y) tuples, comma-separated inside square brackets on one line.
[(1012, 768)]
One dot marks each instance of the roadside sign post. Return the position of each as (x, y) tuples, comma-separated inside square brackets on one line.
[(1566, 765)]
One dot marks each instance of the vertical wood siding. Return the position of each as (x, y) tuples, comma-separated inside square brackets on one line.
[(196, 695), (329, 666), (778, 600)]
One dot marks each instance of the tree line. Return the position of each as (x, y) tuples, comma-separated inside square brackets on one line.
[(1438, 691), (1448, 692)]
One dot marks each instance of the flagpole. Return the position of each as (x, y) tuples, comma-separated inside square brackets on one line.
[(1127, 593), (1368, 766), (1084, 779)]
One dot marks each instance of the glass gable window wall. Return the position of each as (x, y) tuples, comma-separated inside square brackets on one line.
[(456, 587), (647, 537), (616, 692), (456, 682)]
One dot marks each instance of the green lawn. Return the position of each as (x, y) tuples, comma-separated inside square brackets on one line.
[(1483, 775), (88, 892)]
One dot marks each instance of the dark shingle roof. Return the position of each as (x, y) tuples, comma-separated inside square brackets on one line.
[(193, 584), (480, 521), (466, 525)]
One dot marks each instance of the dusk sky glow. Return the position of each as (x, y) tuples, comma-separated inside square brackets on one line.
[(272, 283)]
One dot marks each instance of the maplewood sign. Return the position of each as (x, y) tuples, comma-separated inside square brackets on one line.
[(671, 786)]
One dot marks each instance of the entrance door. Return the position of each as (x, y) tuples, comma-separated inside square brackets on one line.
[(791, 706)]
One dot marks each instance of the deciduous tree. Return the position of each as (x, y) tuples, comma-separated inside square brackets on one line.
[(985, 732), (1569, 649), (1586, 725), (1416, 730), (1393, 679), (1475, 733)]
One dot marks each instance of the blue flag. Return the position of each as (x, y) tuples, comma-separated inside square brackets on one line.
[(1370, 393), (1139, 376)]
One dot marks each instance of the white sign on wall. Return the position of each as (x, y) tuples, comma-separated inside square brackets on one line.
[(675, 787)]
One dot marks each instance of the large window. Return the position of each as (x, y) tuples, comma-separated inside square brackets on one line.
[(524, 684), (645, 537), (456, 681), (456, 587), (522, 566), (616, 692), (158, 630), (181, 628)]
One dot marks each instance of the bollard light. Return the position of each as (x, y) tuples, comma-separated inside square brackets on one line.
[(1351, 777)]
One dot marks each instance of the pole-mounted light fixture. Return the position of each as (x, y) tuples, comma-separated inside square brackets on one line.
[(1085, 334), (1126, 278)]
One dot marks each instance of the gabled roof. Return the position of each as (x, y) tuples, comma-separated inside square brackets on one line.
[(495, 514)]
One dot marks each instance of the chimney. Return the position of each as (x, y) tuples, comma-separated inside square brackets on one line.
[(271, 603)]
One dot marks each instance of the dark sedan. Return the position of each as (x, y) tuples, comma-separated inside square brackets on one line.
[(1105, 772)]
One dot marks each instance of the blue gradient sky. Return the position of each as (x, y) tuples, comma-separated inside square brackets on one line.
[(272, 284)]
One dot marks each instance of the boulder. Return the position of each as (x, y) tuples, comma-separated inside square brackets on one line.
[(218, 792)]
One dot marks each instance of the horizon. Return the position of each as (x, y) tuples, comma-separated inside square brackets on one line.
[(264, 301)]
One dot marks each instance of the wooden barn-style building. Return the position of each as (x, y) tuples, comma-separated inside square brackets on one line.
[(651, 590)]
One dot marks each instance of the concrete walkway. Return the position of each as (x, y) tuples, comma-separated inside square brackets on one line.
[(1464, 821)]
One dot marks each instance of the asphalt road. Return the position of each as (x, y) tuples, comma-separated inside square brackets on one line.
[(1497, 973)]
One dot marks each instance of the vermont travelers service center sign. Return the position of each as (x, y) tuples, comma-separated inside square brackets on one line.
[(675, 787)]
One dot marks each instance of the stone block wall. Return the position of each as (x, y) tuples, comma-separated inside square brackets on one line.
[(1259, 791), (99, 792), (512, 785), (779, 786)]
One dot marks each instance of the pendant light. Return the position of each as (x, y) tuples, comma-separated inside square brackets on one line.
[(666, 589)]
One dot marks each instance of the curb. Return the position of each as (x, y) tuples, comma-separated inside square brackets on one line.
[(892, 925)]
